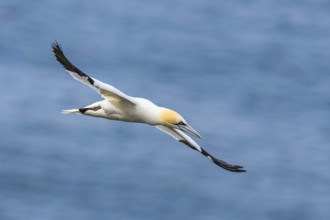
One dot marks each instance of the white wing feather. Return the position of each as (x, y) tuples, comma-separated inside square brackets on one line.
[(105, 90), (180, 136)]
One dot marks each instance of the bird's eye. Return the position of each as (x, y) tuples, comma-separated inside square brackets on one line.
[(181, 123)]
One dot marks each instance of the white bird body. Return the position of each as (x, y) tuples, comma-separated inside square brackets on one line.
[(144, 111), (119, 106)]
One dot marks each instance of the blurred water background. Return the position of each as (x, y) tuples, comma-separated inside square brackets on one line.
[(251, 76)]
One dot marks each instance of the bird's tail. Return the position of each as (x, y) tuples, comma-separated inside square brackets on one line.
[(71, 111)]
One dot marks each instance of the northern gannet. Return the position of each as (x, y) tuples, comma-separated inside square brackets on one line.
[(119, 106)]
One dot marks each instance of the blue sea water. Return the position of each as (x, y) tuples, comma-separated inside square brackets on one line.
[(253, 77)]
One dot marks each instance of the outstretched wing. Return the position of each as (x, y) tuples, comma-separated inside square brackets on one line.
[(182, 137), (105, 90)]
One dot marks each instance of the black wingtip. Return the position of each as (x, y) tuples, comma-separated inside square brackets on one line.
[(227, 166), (56, 45), (223, 164), (60, 57), (57, 49)]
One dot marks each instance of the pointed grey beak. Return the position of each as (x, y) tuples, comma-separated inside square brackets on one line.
[(189, 130)]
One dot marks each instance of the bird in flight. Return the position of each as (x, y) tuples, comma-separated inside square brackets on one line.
[(119, 106)]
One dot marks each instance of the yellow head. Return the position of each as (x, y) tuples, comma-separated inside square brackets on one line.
[(172, 119)]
